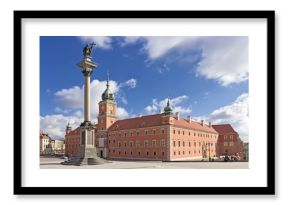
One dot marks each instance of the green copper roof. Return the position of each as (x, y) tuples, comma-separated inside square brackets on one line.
[(168, 110), (107, 95)]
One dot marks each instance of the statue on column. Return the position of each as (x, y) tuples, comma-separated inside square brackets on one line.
[(87, 50)]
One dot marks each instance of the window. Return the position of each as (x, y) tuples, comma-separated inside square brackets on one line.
[(147, 153), (225, 137), (139, 153), (162, 142), (119, 144), (153, 143), (174, 153), (183, 132), (162, 131), (231, 144), (131, 143), (225, 144), (173, 143), (178, 152), (145, 143), (154, 153), (119, 153), (131, 152), (183, 143), (125, 134), (189, 133), (154, 131), (178, 143), (188, 152), (137, 132), (189, 144), (146, 132), (179, 132), (137, 143), (125, 144), (173, 131), (183, 152), (162, 153), (194, 144)]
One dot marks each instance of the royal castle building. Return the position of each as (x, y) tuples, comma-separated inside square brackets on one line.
[(165, 136)]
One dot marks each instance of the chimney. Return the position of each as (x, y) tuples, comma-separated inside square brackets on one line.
[(189, 118), (177, 115), (201, 122), (209, 124)]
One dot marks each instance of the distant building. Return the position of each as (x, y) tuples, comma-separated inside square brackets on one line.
[(49, 145), (72, 141), (246, 151), (44, 143), (229, 142), (58, 146)]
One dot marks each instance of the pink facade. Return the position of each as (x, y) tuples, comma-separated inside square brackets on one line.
[(163, 136)]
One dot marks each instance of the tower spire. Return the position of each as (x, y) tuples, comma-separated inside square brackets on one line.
[(108, 78), (168, 110)]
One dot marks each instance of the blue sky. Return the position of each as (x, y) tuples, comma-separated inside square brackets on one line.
[(205, 77)]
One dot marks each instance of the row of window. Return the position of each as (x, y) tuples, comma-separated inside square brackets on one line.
[(153, 143), (198, 134), (231, 137), (138, 132), (230, 144), (73, 145), (154, 153), (189, 152), (190, 143)]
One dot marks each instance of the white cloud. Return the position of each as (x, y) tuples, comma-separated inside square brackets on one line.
[(71, 100), (158, 106), (55, 125), (122, 113), (158, 46), (236, 114), (60, 110), (131, 83), (224, 59), (100, 41), (124, 100)]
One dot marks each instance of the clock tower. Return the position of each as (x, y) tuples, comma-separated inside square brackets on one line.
[(107, 110)]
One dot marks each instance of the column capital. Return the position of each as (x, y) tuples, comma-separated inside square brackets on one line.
[(87, 72)]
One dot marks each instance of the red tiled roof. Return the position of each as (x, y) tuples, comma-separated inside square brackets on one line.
[(224, 129), (193, 125), (137, 122), (77, 131), (156, 120)]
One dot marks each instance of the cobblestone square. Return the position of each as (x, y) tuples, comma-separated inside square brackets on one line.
[(54, 163)]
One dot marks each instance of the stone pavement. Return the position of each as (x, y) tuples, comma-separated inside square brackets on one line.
[(54, 163)]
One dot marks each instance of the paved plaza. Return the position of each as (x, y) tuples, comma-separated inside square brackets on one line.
[(54, 163)]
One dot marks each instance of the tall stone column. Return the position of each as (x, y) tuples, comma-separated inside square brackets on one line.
[(87, 154), (87, 107)]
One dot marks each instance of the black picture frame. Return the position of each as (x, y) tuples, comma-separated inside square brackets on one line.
[(19, 189)]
